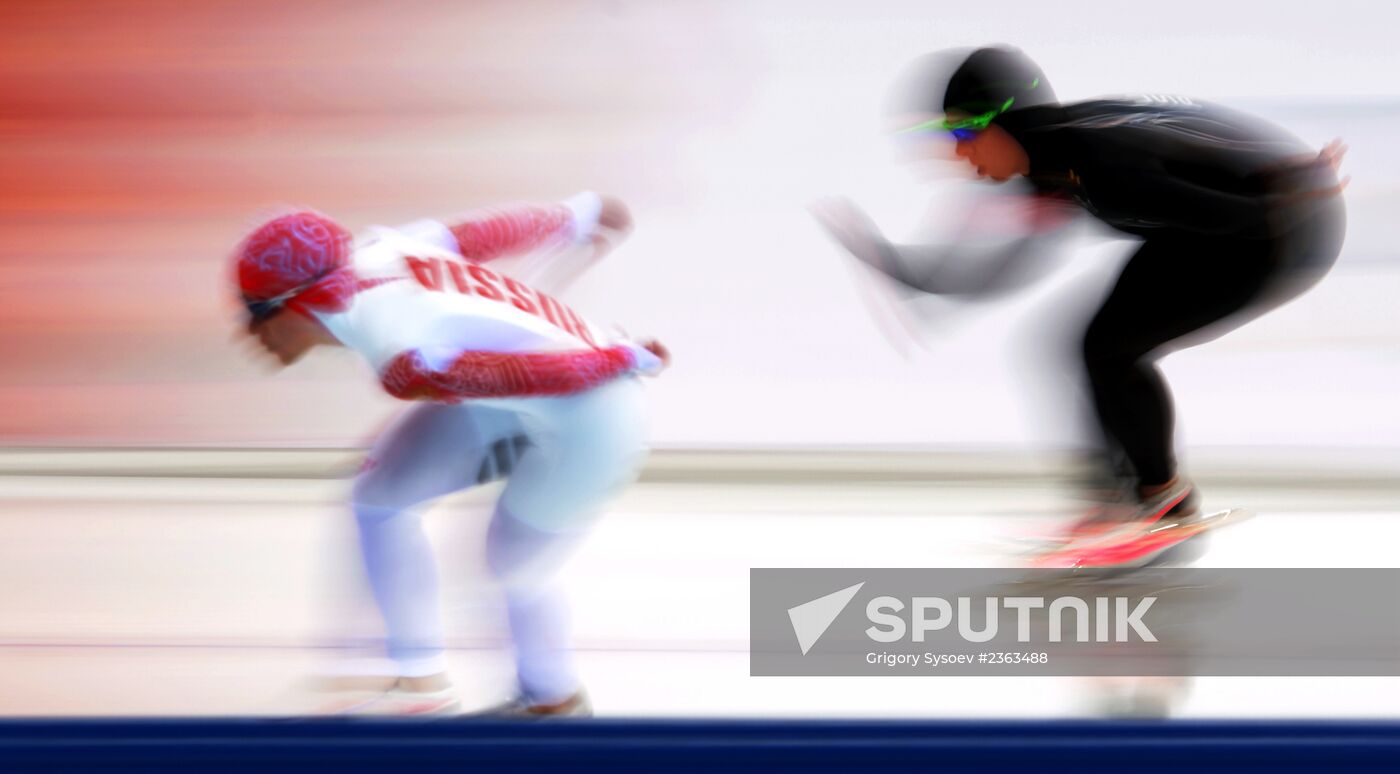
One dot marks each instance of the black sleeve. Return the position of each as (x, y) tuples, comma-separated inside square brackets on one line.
[(1155, 196), (960, 271), (1171, 176)]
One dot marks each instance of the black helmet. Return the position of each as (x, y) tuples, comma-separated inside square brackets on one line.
[(996, 79), (977, 82)]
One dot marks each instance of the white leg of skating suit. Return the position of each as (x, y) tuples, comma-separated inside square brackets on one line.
[(524, 560), (431, 451), (564, 457), (583, 450)]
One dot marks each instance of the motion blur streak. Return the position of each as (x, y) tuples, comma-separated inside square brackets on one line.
[(140, 139)]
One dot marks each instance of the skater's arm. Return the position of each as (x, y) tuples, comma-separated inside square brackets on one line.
[(582, 230), (1180, 181), (612, 225), (1161, 198), (971, 267), (1182, 204), (505, 231), (481, 374), (501, 232), (958, 271)]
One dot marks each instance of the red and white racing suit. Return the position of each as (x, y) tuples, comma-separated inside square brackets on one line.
[(513, 384)]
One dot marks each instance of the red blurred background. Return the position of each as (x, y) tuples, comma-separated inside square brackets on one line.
[(141, 139)]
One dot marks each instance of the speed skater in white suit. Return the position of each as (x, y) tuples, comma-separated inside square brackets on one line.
[(508, 382)]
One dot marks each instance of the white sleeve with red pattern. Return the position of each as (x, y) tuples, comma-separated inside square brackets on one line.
[(503, 231), (479, 374)]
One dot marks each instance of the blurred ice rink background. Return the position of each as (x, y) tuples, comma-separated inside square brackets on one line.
[(139, 140)]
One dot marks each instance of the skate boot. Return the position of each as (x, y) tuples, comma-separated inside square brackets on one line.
[(385, 696), (396, 702), (521, 708), (1120, 507), (1130, 533)]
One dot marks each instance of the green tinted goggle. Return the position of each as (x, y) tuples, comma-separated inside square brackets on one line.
[(967, 128), (963, 128)]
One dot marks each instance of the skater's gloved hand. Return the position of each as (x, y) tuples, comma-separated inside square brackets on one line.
[(1332, 154), (614, 215), (650, 356), (1327, 161), (614, 225), (1330, 157)]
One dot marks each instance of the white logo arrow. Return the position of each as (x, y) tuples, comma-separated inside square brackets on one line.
[(810, 620)]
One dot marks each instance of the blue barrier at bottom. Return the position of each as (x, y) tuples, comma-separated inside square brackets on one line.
[(461, 745)]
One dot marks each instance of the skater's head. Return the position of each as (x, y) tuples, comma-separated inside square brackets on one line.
[(288, 337), (963, 95), (993, 153), (996, 80), (288, 268)]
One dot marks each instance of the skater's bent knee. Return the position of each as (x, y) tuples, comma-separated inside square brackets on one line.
[(365, 492), (371, 516), (1104, 351), (523, 558), (374, 502)]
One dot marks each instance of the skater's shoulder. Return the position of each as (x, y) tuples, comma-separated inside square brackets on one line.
[(1123, 132), (381, 248), (1113, 111), (1157, 115)]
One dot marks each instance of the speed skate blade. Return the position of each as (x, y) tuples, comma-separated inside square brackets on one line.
[(1136, 547)]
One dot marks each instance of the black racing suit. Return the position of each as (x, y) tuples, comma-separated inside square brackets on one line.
[(1235, 215)]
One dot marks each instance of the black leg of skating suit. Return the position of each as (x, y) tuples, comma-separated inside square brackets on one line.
[(1180, 290)]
